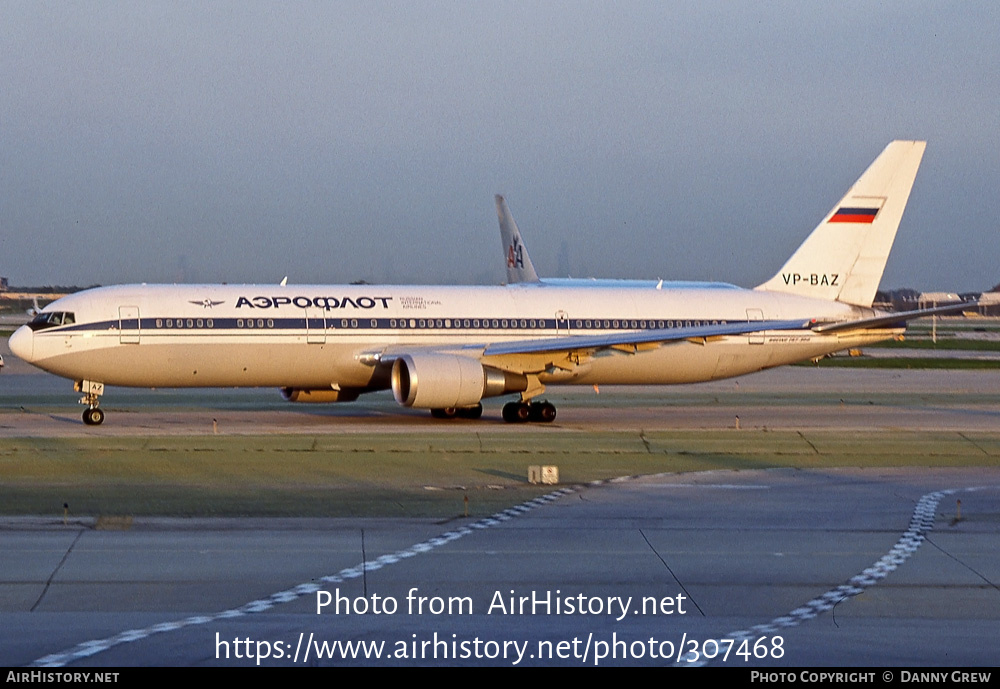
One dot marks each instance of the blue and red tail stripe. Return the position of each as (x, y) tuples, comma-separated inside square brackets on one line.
[(856, 215)]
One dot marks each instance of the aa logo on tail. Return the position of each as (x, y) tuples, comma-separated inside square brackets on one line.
[(515, 254)]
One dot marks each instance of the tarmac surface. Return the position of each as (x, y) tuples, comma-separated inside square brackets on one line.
[(795, 398), (807, 567), (836, 567)]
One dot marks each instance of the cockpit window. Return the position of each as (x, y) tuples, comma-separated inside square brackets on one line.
[(51, 320)]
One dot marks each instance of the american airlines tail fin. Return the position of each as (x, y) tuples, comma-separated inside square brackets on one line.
[(35, 309), (519, 268), (844, 257)]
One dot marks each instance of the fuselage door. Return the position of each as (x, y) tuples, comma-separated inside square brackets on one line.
[(315, 326), (755, 315), (562, 323), (128, 324)]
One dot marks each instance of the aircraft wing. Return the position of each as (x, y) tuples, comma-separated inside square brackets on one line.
[(637, 337), (892, 318), (666, 335)]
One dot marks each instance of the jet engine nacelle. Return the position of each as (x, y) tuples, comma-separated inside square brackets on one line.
[(323, 396), (442, 381)]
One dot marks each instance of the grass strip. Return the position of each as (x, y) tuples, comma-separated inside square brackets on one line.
[(405, 476)]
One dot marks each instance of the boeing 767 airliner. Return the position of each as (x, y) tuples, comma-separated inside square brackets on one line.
[(447, 348)]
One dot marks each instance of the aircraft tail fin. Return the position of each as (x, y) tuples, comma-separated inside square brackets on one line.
[(519, 268), (844, 257), (35, 309)]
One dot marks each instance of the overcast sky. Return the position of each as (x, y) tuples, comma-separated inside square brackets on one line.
[(330, 142)]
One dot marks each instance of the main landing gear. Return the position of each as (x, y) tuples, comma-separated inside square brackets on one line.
[(458, 412), (513, 412), (519, 412)]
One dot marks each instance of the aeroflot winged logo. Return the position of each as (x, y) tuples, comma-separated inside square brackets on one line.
[(207, 303)]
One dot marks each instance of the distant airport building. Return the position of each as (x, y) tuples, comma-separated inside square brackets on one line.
[(929, 300), (989, 304), (4, 284)]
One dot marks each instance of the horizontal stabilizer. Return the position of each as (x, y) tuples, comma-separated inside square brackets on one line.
[(892, 318)]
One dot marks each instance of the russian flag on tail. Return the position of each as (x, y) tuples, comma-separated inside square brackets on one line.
[(855, 215)]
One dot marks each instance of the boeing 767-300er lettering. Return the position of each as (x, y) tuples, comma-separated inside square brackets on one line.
[(447, 348)]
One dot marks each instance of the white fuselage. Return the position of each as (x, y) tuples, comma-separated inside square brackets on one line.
[(320, 336)]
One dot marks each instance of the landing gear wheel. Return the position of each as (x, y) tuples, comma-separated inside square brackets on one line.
[(546, 412), (93, 417), (475, 412), (516, 412), (510, 412), (543, 412)]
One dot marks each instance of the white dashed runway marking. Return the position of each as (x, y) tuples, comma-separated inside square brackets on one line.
[(90, 648), (911, 539)]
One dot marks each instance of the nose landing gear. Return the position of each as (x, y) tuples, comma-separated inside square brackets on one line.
[(93, 415)]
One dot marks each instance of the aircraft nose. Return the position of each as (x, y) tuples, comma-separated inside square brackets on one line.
[(22, 343)]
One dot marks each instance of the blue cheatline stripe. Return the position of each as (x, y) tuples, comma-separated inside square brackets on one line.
[(158, 325)]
